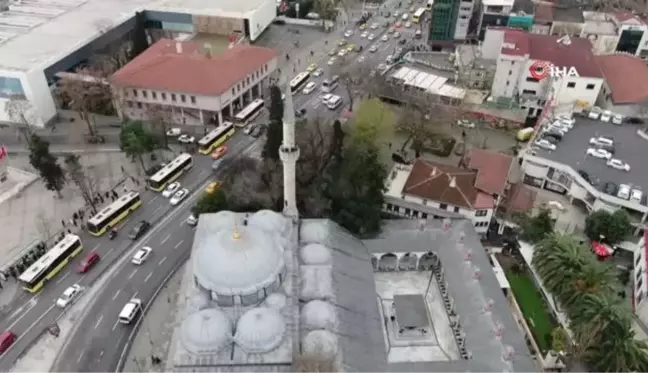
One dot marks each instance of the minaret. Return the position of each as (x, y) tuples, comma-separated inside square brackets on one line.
[(289, 153)]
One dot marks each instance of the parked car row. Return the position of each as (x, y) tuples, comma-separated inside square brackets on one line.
[(182, 138), (552, 133), (602, 147)]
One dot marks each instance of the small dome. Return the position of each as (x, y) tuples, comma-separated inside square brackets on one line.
[(313, 232), (318, 314), (260, 330), (276, 301), (206, 331), (321, 342), (199, 301), (269, 221), (316, 254)]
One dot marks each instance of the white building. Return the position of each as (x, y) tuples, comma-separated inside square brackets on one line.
[(464, 13), (640, 279), (415, 80), (621, 92), (519, 52), (179, 83), (39, 38)]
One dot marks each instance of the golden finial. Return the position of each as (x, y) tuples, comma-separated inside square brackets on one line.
[(236, 235)]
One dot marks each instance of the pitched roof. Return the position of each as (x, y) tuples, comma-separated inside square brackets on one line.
[(445, 184), (492, 170), (520, 198), (161, 67), (544, 13), (577, 54), (627, 77)]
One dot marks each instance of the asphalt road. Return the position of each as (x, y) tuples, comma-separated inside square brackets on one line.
[(33, 313)]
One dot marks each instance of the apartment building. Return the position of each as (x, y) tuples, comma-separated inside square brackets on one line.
[(186, 83), (640, 279), (620, 92)]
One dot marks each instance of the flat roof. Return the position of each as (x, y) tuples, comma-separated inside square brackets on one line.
[(429, 82), (629, 147), (38, 33)]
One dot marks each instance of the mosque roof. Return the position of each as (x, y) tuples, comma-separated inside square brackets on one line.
[(260, 330), (206, 331)]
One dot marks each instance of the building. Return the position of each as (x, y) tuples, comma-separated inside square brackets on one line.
[(427, 190), (40, 38), (443, 21), (182, 82), (505, 13), (521, 52), (418, 82), (620, 92), (640, 279)]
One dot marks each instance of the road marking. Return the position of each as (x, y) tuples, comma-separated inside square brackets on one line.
[(29, 304), (161, 261), (16, 312), (109, 251), (202, 173), (80, 357), (96, 247), (62, 278), (32, 326), (98, 321), (178, 244), (134, 295), (116, 294), (152, 199), (115, 326), (156, 210), (132, 274), (149, 276), (165, 239)]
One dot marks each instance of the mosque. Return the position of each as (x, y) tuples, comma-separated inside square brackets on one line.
[(271, 292)]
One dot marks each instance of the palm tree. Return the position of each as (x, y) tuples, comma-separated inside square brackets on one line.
[(619, 352)]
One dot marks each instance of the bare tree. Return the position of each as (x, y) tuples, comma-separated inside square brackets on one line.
[(158, 117), (353, 76), (85, 182), (113, 57), (19, 110)]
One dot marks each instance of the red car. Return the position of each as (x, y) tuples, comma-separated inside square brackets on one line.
[(88, 262), (6, 340)]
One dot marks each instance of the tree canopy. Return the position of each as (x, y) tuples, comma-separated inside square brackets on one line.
[(372, 120), (46, 164), (211, 202), (535, 228), (135, 141), (611, 228), (274, 135)]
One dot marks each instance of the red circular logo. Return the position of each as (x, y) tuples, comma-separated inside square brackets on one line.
[(539, 70)]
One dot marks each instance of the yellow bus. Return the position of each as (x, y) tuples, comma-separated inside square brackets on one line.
[(110, 216), (216, 138), (418, 15), (50, 264), (170, 172)]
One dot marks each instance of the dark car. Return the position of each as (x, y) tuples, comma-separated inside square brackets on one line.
[(139, 229), (610, 188), (554, 135), (257, 131), (633, 120), (584, 175), (402, 41), (279, 22)]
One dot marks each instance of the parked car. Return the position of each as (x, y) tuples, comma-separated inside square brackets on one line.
[(610, 188), (606, 116), (599, 153), (141, 255), (594, 112), (618, 164), (624, 191), (633, 120), (186, 139), (170, 189), (617, 119), (179, 196), (556, 205), (68, 295), (636, 195), (173, 132), (465, 123), (88, 262), (545, 144), (139, 229), (602, 141)]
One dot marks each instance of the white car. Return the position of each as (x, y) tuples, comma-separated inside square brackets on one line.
[(325, 98), (381, 67), (179, 196), (310, 87), (599, 153), (617, 119), (373, 49), (606, 116), (371, 37), (348, 33), (342, 52), (170, 189), (601, 141), (141, 255), (545, 144), (405, 17), (68, 295), (173, 132), (361, 59), (618, 164), (319, 72), (397, 35), (374, 25), (567, 120), (408, 24), (556, 205), (364, 34), (385, 38), (331, 61), (389, 59), (564, 123), (594, 112), (465, 123), (186, 139)]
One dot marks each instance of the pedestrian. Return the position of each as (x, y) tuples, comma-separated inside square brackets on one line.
[(75, 216), (63, 223), (390, 145), (137, 182), (69, 231), (122, 168), (125, 189), (115, 193), (74, 222), (107, 195)]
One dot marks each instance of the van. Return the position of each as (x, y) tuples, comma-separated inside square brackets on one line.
[(624, 191), (130, 311), (418, 34), (192, 220), (328, 85), (6, 340), (525, 134), (334, 102)]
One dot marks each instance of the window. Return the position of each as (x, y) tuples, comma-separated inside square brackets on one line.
[(425, 202), (528, 92), (463, 17), (154, 95), (144, 94), (139, 105), (247, 80), (639, 283), (481, 212), (135, 92), (531, 79), (408, 211), (183, 98), (163, 96), (173, 97), (193, 99), (571, 85), (129, 103), (443, 206), (415, 214), (638, 275), (637, 261), (424, 215), (589, 86)]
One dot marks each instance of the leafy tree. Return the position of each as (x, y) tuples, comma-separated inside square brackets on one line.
[(535, 228), (274, 137), (610, 227), (327, 9), (559, 339), (372, 120), (46, 164), (211, 202), (353, 190), (136, 141), (87, 185)]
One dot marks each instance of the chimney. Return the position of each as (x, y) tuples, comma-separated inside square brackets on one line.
[(435, 172), (178, 47), (453, 182)]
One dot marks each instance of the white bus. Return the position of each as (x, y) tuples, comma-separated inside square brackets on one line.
[(329, 85), (215, 138), (114, 213), (298, 82), (334, 102), (430, 4), (418, 15), (50, 264), (249, 113), (170, 172)]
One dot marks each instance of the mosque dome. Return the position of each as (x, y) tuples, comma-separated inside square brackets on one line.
[(315, 254), (321, 342), (206, 331), (269, 220), (238, 260), (318, 314), (260, 330), (276, 301), (199, 301)]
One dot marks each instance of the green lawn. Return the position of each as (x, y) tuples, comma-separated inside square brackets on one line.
[(533, 307)]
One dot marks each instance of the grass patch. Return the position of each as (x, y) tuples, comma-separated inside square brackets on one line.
[(533, 308)]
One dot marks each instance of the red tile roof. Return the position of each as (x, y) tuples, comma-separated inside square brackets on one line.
[(520, 198), (162, 68), (492, 170), (624, 17), (432, 181), (544, 13), (627, 77), (547, 48)]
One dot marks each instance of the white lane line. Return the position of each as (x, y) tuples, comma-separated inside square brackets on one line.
[(157, 209), (152, 199), (80, 357), (32, 326), (178, 244), (29, 304), (161, 261), (149, 276), (115, 326), (134, 295), (116, 294), (202, 173), (165, 239), (98, 321), (96, 247), (109, 251), (132, 274), (62, 278)]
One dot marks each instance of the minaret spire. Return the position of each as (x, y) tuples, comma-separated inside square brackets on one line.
[(289, 153)]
